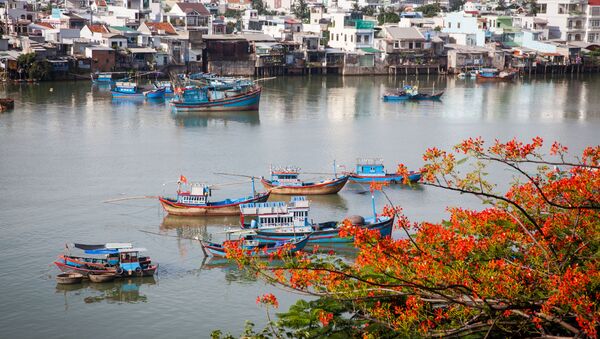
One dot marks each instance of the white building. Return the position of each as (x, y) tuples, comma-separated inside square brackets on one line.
[(350, 34), (566, 19), (463, 28)]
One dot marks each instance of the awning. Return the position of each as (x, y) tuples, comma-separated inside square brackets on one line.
[(142, 50), (371, 50)]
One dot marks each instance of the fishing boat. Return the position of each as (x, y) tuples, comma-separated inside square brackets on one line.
[(277, 221), (217, 94), (467, 75), (372, 169), (166, 85), (411, 93), (126, 89), (493, 74), (253, 246), (194, 201), (157, 93), (285, 180), (122, 259), (102, 77), (69, 278)]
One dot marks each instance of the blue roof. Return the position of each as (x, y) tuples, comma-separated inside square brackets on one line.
[(102, 251)]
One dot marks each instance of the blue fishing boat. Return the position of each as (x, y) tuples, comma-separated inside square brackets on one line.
[(277, 221), (372, 169), (121, 259), (253, 246), (193, 200), (168, 87), (218, 94), (411, 93), (124, 89), (493, 74), (158, 93), (102, 77)]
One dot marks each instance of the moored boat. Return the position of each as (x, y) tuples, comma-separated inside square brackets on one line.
[(277, 221), (253, 246), (158, 93), (493, 74), (411, 93), (125, 89), (102, 277), (121, 259), (286, 181), (217, 94), (195, 201), (372, 169), (104, 77), (69, 278)]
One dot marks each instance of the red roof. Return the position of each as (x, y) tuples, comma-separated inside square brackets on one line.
[(154, 27), (101, 3), (44, 24), (188, 7), (239, 2), (98, 28), (594, 2)]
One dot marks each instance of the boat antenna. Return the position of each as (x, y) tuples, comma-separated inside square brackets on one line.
[(334, 172), (373, 205), (253, 188)]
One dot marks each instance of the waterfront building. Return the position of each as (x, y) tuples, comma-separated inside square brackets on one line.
[(351, 33), (566, 19), (464, 29), (189, 16)]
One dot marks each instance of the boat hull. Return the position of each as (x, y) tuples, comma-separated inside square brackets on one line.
[(417, 97), (389, 178), (147, 272), (155, 94), (326, 236), (327, 187), (246, 102), (116, 94), (218, 250), (174, 208)]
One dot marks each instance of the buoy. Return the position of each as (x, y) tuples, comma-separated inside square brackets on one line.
[(51, 89)]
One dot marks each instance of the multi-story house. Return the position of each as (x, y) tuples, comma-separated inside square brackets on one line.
[(189, 16), (566, 18), (592, 23), (350, 32), (464, 29)]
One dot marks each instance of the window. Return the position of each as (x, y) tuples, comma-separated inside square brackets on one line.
[(542, 8), (366, 39), (417, 45), (449, 25), (396, 44), (595, 11), (594, 23), (458, 25)]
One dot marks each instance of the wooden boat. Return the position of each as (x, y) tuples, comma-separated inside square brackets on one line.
[(195, 201), (158, 93), (369, 170), (493, 74), (411, 93), (255, 247), (104, 77), (286, 181), (118, 259), (69, 278), (168, 87), (102, 277), (277, 221), (217, 94), (123, 89)]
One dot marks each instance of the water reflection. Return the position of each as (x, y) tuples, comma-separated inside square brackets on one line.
[(180, 222), (120, 291), (203, 119)]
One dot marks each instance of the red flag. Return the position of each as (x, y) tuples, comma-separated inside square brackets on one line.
[(182, 179)]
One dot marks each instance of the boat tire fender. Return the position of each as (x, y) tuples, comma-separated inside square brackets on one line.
[(139, 271), (119, 270)]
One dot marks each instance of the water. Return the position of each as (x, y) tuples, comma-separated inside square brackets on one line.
[(67, 147)]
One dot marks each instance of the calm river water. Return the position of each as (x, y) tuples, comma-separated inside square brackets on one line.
[(68, 147)]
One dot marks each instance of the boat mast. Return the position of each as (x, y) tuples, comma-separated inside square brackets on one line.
[(373, 206), (334, 172), (253, 188)]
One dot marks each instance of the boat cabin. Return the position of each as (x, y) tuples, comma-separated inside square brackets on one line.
[(197, 195), (285, 175), (488, 72), (129, 259), (104, 77), (370, 166), (126, 87), (278, 214)]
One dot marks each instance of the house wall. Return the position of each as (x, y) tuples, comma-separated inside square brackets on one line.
[(102, 60)]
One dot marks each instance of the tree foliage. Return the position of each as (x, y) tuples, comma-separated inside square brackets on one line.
[(35, 69), (388, 16), (430, 10), (300, 9), (525, 265)]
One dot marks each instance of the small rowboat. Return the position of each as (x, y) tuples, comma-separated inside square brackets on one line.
[(69, 278), (102, 277)]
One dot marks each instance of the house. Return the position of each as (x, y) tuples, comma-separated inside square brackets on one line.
[(129, 33), (189, 16), (464, 29), (461, 57), (350, 32), (409, 46), (569, 20), (152, 32), (103, 58), (239, 5), (228, 54), (125, 12)]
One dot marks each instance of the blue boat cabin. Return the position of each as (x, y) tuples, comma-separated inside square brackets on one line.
[(371, 167)]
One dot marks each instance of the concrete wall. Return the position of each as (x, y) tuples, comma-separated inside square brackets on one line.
[(225, 68)]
